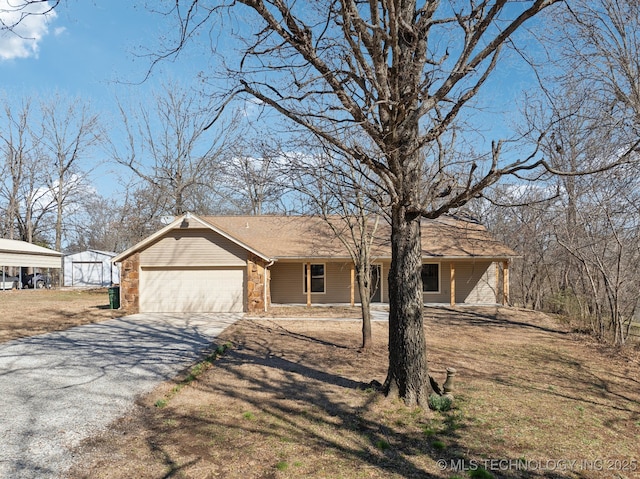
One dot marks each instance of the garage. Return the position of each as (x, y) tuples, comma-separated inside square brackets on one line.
[(86, 274), (91, 268), (192, 290), (191, 266)]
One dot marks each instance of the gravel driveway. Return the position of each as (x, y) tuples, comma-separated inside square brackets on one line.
[(60, 388)]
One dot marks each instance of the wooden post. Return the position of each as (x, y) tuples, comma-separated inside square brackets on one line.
[(453, 285), (505, 283), (353, 288), (498, 285), (308, 284)]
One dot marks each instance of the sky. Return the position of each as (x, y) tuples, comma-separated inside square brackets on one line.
[(84, 47), (88, 49), (91, 49)]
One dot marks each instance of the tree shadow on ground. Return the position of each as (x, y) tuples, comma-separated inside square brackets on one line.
[(283, 395), (487, 317)]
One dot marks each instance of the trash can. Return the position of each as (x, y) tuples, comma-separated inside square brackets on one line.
[(114, 297)]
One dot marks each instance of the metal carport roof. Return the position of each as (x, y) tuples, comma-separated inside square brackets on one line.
[(21, 253)]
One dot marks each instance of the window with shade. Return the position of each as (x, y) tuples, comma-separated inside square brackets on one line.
[(317, 278), (431, 278)]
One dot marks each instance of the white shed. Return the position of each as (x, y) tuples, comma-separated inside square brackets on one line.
[(90, 268)]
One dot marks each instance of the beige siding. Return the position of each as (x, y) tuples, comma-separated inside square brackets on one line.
[(476, 283), (287, 283), (338, 284), (191, 247)]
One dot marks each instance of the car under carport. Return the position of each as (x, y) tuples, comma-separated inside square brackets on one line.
[(20, 254)]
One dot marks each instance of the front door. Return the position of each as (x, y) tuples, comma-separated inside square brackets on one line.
[(376, 278)]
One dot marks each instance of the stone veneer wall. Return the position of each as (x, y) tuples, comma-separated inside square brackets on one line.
[(257, 277), (130, 284)]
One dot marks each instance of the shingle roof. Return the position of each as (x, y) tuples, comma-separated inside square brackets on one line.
[(289, 237)]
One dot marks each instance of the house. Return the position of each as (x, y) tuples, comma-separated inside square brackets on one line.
[(90, 268), (246, 263)]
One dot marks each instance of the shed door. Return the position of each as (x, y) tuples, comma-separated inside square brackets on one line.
[(191, 290), (86, 273)]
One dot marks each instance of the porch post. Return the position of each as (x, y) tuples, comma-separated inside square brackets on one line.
[(453, 284), (498, 285), (308, 284), (353, 288), (505, 282)]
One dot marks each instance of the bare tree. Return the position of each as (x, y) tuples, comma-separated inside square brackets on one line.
[(170, 149), (606, 248), (13, 13), (113, 224), (24, 189), (70, 132), (399, 73), (591, 109), (523, 218), (251, 179), (338, 190), (601, 55), (16, 150)]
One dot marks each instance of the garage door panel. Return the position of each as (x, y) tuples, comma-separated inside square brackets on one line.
[(86, 273), (192, 290)]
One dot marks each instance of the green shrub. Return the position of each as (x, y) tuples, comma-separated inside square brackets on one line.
[(439, 445), (382, 444), (480, 473), (439, 403)]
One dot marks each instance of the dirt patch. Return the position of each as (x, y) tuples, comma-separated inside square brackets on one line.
[(29, 312), (292, 399), (316, 311)]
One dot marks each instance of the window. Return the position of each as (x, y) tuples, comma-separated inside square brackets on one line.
[(317, 278), (431, 278)]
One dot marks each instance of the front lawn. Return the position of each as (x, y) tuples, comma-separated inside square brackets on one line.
[(291, 399), (36, 311)]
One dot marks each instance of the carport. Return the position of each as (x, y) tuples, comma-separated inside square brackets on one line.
[(20, 254)]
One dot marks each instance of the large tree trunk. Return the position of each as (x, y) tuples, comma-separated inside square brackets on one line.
[(408, 374)]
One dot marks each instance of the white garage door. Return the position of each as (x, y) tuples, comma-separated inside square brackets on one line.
[(191, 290), (86, 273)]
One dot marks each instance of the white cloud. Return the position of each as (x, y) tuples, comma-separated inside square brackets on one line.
[(23, 27)]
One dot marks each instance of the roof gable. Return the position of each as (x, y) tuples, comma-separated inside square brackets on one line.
[(187, 221)]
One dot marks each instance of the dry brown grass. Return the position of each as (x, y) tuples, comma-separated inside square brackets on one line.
[(319, 311), (291, 399), (29, 312)]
